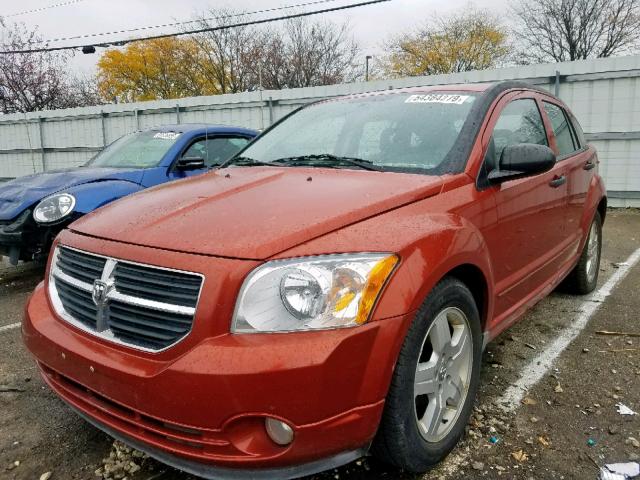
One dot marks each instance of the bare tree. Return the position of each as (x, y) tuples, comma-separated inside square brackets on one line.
[(81, 91), (298, 53), (228, 54), (31, 81), (37, 81), (562, 30), (305, 54)]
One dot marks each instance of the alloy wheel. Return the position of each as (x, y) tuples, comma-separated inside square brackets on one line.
[(443, 374), (593, 252)]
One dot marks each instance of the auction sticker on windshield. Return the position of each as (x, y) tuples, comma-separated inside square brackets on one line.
[(438, 98), (167, 135)]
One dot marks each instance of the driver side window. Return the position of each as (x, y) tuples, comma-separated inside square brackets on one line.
[(519, 122), (215, 150)]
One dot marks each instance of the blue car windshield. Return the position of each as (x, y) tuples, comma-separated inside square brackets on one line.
[(136, 150)]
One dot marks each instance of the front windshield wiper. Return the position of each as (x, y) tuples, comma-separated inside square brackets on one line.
[(245, 162), (327, 159)]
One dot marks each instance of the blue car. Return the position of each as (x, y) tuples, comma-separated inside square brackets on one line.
[(33, 209)]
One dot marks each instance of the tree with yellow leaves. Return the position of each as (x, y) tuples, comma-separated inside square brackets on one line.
[(471, 40), (154, 69), (223, 58)]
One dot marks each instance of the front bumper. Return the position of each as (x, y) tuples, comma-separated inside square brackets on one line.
[(221, 473), (23, 239), (204, 411)]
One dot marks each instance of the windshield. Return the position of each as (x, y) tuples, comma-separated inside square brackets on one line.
[(400, 131), (136, 150)]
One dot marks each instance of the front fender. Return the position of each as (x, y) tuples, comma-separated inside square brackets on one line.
[(90, 196), (430, 245), (448, 242)]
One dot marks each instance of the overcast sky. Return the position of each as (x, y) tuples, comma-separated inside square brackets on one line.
[(371, 25)]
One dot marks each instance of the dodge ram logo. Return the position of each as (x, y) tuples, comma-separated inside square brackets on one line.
[(100, 291)]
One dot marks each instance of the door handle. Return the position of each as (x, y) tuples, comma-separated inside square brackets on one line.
[(556, 182), (589, 165)]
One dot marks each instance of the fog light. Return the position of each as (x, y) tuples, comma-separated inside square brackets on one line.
[(278, 431)]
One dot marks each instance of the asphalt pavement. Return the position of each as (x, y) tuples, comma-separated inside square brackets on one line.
[(547, 408)]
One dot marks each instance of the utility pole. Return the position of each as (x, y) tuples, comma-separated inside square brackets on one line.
[(366, 69), (260, 89)]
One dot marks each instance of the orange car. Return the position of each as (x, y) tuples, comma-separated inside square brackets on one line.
[(327, 291)]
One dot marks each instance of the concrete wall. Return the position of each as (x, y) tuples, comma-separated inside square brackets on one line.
[(603, 93)]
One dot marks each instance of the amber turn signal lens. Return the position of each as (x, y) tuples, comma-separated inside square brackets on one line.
[(377, 279)]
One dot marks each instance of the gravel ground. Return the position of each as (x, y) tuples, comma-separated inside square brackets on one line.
[(566, 427)]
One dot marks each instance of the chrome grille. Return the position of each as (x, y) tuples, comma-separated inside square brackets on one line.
[(80, 265), (77, 303), (153, 284), (143, 306), (145, 326)]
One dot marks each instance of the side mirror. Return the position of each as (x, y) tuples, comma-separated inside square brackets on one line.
[(190, 163), (523, 160)]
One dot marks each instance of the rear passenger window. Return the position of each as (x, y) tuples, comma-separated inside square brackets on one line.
[(519, 122), (577, 129), (565, 137)]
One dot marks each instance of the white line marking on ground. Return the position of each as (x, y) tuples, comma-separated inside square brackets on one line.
[(542, 363), (9, 327)]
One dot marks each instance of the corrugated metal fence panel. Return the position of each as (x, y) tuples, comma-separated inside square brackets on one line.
[(601, 92), (73, 132), (17, 164), (59, 160), (117, 126), (17, 135), (621, 175)]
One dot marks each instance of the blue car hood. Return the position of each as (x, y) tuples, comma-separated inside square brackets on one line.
[(21, 193)]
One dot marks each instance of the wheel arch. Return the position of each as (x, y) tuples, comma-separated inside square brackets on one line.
[(602, 208), (474, 279)]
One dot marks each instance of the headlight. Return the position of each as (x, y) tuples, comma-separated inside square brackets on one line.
[(54, 208), (312, 293)]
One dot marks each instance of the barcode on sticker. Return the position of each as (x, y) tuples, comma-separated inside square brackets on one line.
[(438, 98)]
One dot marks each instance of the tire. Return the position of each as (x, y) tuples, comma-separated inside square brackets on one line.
[(584, 276), (400, 440)]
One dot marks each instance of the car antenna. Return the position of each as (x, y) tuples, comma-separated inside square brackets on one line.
[(206, 144)]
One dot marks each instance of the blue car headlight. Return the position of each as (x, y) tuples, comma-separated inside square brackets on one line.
[(54, 208)]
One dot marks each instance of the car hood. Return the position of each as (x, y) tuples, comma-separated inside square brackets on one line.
[(253, 213), (21, 193)]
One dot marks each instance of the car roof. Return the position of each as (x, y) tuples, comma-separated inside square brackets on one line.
[(203, 128), (458, 87), (493, 88)]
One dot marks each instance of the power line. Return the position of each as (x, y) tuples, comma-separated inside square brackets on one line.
[(186, 22), (41, 9), (200, 30)]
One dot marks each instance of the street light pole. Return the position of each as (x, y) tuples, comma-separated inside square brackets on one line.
[(366, 70)]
